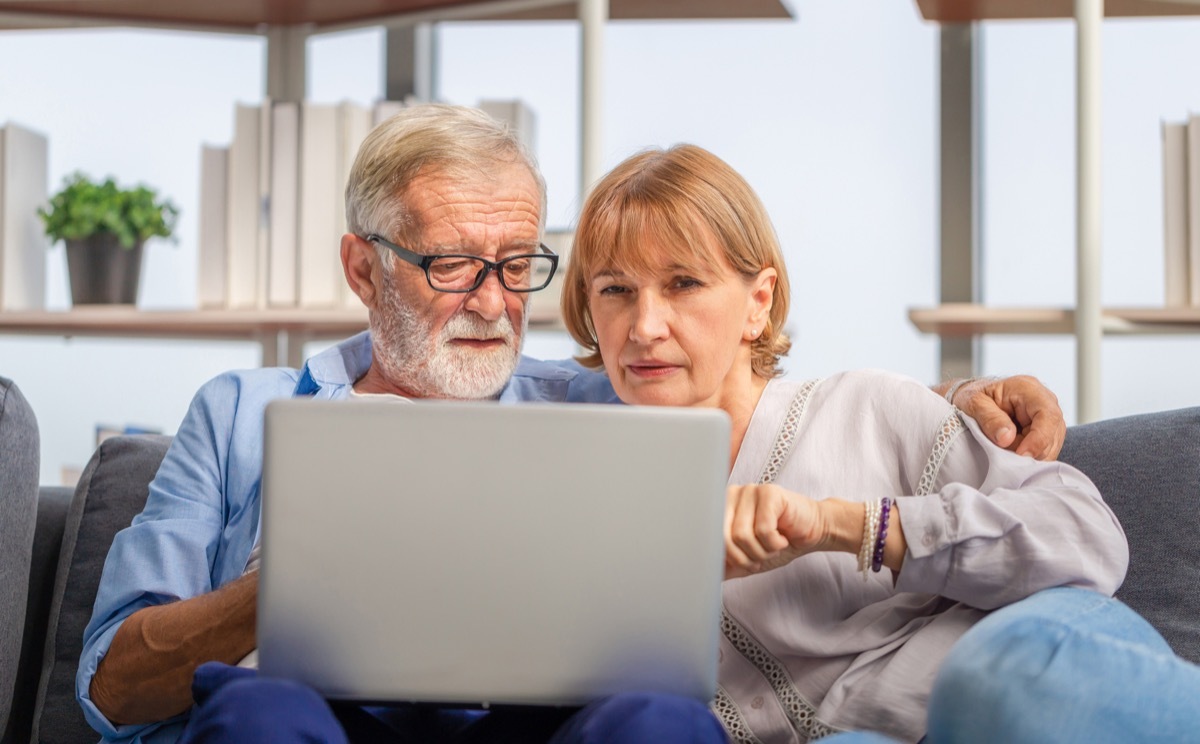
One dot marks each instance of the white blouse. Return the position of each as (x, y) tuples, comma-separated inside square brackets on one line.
[(812, 648)]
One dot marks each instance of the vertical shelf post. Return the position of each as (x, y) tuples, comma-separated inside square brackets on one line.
[(960, 170), (287, 67), (410, 62), (593, 16), (1089, 19)]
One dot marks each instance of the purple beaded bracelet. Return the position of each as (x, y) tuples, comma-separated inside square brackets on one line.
[(885, 506)]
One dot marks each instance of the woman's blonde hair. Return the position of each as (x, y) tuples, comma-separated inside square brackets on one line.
[(690, 201)]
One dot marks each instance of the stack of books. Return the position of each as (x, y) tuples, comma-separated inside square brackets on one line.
[(23, 189), (272, 202), (1181, 211)]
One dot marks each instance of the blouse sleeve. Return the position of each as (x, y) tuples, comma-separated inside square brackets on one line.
[(996, 527)]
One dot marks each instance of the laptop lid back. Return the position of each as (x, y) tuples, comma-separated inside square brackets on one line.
[(474, 553)]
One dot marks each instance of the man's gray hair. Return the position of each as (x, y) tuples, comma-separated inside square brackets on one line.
[(454, 141)]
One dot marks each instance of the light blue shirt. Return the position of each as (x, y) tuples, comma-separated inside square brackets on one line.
[(201, 518)]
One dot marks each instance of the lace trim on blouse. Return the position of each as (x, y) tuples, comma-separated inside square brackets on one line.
[(731, 718), (787, 433), (952, 426), (800, 712)]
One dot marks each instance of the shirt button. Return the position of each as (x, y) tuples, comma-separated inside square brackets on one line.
[(720, 655), (927, 541), (757, 703)]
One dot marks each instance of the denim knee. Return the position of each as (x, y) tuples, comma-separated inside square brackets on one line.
[(260, 709), (642, 718), (1041, 670)]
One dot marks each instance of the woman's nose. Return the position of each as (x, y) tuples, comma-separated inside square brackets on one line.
[(650, 319)]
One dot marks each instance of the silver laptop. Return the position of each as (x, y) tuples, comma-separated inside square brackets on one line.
[(484, 554)]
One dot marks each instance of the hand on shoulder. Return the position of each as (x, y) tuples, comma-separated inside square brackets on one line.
[(1017, 413)]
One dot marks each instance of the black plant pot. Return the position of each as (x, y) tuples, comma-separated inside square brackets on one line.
[(102, 271)]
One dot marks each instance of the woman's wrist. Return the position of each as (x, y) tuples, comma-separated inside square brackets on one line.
[(843, 524)]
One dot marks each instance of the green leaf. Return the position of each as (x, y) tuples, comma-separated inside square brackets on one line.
[(83, 208)]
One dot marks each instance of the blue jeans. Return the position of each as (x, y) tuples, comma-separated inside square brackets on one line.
[(235, 705), (1065, 665)]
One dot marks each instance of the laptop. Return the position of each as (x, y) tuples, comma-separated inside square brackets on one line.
[(477, 554)]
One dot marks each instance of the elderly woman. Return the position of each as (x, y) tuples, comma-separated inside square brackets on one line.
[(869, 525)]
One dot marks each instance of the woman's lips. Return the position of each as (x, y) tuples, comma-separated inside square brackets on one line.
[(651, 370)]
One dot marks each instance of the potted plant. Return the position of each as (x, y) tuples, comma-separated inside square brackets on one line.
[(104, 228)]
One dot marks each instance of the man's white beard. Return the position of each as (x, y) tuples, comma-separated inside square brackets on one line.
[(411, 357)]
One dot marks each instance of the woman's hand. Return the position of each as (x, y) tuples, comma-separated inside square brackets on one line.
[(767, 527)]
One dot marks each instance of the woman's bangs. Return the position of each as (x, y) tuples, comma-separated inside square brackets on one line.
[(634, 243)]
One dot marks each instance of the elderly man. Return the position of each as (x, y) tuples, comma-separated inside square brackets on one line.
[(445, 210)]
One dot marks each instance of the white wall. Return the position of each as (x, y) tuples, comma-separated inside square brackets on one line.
[(832, 118)]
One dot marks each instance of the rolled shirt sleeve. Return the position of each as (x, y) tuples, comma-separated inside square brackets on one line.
[(1027, 525)]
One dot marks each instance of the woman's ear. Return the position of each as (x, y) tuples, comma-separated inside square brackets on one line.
[(358, 264), (762, 297)]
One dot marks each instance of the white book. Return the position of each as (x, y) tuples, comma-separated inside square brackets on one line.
[(385, 110), (1193, 212), (517, 115), (245, 208), (320, 266), (265, 117), (285, 196), (544, 306), (24, 187), (354, 124), (211, 250), (1175, 214)]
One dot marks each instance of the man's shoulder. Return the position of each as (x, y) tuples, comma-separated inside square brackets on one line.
[(267, 381), (242, 389), (560, 380)]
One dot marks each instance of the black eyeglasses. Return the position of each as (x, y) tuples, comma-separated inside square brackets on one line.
[(463, 273)]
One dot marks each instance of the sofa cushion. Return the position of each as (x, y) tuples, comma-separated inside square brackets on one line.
[(111, 491), (1148, 469), (19, 473), (54, 502)]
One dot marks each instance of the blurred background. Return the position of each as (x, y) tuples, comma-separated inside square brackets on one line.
[(831, 116)]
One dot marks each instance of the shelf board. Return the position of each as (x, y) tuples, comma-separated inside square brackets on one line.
[(962, 11), (129, 321), (248, 16), (963, 320)]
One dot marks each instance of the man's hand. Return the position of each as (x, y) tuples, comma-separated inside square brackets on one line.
[(146, 676), (1017, 413)]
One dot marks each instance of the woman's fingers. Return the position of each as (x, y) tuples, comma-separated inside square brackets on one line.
[(752, 534)]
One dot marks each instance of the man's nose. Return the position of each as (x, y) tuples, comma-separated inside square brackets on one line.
[(487, 300)]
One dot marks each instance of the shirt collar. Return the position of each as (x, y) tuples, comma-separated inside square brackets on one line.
[(342, 364)]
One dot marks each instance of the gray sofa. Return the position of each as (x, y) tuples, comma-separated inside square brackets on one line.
[(1147, 467)]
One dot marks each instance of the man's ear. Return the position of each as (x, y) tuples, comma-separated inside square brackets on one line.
[(359, 261)]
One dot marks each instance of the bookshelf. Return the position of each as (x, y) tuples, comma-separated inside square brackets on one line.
[(282, 333), (959, 320)]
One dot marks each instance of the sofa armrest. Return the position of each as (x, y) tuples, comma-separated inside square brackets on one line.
[(53, 504), (111, 492), (1147, 467)]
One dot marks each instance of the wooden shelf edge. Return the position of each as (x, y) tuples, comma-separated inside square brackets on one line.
[(965, 320), (965, 11), (126, 320), (251, 16)]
